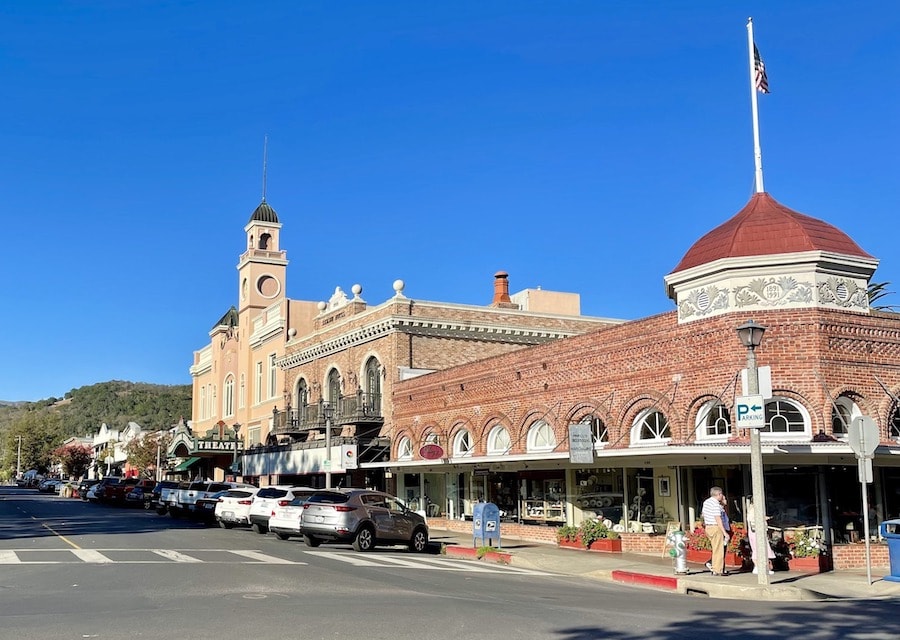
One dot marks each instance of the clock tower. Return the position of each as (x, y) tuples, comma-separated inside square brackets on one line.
[(262, 266)]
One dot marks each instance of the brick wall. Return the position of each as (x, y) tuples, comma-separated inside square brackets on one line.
[(616, 372), (853, 556), (646, 543)]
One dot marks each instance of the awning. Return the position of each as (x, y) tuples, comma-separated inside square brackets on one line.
[(187, 464)]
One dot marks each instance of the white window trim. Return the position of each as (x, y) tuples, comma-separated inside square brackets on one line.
[(700, 423), (458, 450), (404, 449), (540, 427), (492, 445), (806, 434), (852, 408), (637, 427)]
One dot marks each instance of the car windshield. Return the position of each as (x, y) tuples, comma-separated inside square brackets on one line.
[(300, 500), (237, 493)]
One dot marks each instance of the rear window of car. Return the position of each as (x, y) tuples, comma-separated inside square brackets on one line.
[(165, 484), (328, 497), (218, 486), (238, 493), (300, 498), (198, 486), (269, 492)]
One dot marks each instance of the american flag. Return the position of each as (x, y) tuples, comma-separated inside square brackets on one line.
[(762, 80)]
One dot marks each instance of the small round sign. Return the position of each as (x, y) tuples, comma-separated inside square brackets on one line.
[(431, 451)]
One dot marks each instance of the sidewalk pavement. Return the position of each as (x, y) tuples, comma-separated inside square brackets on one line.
[(658, 572)]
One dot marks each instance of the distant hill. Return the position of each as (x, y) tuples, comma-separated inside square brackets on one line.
[(116, 403)]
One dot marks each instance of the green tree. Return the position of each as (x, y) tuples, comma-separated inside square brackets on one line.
[(878, 291), (142, 452), (74, 459)]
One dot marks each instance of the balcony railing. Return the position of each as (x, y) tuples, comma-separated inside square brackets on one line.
[(360, 409)]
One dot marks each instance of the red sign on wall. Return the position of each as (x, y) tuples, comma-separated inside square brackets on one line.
[(431, 451)]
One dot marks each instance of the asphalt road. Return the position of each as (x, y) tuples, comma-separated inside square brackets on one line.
[(70, 569)]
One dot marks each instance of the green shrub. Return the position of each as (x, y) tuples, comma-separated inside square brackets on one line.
[(591, 530), (567, 533)]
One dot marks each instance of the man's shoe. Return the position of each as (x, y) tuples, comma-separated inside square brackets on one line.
[(709, 566), (755, 571)]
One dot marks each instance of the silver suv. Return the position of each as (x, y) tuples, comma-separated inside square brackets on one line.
[(363, 518)]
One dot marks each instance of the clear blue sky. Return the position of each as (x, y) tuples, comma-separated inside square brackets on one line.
[(581, 146)]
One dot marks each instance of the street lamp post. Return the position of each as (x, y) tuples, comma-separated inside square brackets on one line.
[(237, 431), (19, 457), (328, 410), (751, 335)]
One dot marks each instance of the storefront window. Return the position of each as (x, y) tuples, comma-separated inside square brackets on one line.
[(542, 497), (599, 494)]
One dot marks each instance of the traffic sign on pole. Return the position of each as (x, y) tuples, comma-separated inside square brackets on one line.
[(863, 436), (751, 412)]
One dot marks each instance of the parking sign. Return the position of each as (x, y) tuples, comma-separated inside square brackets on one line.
[(751, 412)]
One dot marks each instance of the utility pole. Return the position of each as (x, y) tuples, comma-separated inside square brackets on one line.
[(19, 458)]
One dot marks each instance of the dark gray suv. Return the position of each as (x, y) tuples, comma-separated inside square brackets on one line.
[(363, 518)]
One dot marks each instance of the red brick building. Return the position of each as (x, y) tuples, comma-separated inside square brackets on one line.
[(658, 395)]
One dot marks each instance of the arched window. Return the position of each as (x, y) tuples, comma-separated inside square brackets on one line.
[(784, 417), (843, 412), (228, 397), (462, 444), (431, 438), (373, 386), (302, 394), (404, 449), (498, 442), (713, 421), (895, 423), (334, 387), (650, 427), (541, 437), (599, 430), (264, 239)]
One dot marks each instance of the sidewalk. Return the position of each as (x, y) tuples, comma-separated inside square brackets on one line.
[(658, 572)]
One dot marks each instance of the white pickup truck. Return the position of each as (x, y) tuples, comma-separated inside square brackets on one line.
[(183, 500)]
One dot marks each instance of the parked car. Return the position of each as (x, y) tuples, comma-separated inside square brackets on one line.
[(233, 508), (99, 489), (285, 520), (117, 493), (363, 518), (268, 499), (140, 494), (185, 502), (205, 507), (84, 486), (154, 497), (49, 485), (167, 496)]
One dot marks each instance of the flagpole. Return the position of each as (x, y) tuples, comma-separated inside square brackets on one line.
[(757, 150)]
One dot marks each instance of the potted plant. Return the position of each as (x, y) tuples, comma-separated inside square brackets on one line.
[(807, 553), (595, 536), (567, 536), (699, 546)]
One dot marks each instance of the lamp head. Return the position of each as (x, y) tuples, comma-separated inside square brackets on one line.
[(237, 428), (327, 410), (751, 334)]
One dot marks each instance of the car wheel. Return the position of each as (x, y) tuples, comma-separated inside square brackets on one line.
[(161, 511), (282, 536), (258, 528), (175, 513), (225, 525), (365, 539), (148, 505), (311, 542), (419, 541)]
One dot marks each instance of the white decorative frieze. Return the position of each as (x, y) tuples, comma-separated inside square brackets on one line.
[(703, 301), (843, 292), (774, 292)]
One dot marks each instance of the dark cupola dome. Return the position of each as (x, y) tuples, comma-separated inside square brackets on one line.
[(264, 213)]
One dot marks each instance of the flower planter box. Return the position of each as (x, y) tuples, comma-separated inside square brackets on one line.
[(606, 545), (702, 557), (810, 565), (497, 556), (500, 557)]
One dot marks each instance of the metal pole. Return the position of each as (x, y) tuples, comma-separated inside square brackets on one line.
[(328, 450), (757, 150), (19, 458), (157, 458), (757, 480)]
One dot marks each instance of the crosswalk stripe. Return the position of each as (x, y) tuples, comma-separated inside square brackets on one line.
[(9, 557), (90, 555), (343, 557), (174, 555), (262, 557)]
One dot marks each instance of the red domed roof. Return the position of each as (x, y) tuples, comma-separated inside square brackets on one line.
[(766, 227)]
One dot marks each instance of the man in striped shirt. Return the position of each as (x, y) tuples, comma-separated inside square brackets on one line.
[(715, 520)]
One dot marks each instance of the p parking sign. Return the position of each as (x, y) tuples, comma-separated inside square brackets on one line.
[(751, 412)]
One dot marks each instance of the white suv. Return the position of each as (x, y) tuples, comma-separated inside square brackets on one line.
[(234, 507), (270, 498)]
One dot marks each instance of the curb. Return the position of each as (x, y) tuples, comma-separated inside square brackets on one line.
[(646, 579)]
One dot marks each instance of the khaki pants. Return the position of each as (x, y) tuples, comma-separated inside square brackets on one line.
[(717, 540)]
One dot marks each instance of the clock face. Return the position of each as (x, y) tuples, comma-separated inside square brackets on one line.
[(267, 286)]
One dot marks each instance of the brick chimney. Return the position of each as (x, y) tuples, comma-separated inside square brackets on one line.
[(501, 292)]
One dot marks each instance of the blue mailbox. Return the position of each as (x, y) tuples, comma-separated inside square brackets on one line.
[(486, 523)]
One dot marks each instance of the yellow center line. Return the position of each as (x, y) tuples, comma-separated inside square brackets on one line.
[(60, 536)]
